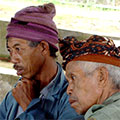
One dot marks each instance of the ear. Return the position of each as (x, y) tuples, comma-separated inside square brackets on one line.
[(102, 76), (44, 47)]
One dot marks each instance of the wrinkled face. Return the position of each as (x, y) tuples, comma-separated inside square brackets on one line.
[(83, 88), (27, 60)]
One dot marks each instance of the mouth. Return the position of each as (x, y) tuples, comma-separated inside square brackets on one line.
[(19, 69), (71, 101)]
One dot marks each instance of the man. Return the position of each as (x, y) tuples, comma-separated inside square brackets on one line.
[(40, 92), (93, 72)]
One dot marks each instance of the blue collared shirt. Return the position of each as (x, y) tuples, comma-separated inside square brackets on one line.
[(52, 104)]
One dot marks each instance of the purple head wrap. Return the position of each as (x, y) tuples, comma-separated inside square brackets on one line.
[(35, 24)]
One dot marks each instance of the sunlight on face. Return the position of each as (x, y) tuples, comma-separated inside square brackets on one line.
[(82, 89)]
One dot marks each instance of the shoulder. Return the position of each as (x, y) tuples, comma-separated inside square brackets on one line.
[(100, 116), (100, 112), (8, 100)]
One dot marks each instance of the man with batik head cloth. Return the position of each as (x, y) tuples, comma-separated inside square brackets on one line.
[(93, 72), (40, 93)]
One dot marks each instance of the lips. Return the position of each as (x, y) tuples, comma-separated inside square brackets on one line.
[(19, 69), (72, 100)]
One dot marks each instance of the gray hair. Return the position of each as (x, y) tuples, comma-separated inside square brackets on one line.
[(114, 71), (52, 50), (33, 44)]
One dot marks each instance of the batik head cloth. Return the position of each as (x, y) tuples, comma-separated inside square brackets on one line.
[(94, 49), (35, 23)]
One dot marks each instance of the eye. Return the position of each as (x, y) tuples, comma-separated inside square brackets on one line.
[(8, 50), (17, 49), (73, 77)]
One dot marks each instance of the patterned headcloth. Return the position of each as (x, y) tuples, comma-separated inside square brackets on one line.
[(95, 49), (35, 23)]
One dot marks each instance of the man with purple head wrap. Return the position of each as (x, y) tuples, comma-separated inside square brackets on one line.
[(40, 93)]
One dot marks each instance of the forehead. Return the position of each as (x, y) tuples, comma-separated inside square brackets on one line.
[(12, 41), (73, 66)]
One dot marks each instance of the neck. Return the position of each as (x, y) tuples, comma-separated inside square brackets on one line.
[(108, 91), (47, 73)]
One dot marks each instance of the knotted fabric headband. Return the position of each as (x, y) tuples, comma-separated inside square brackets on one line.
[(35, 23), (94, 49)]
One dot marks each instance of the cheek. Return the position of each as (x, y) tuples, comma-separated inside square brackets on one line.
[(89, 96), (77, 89), (31, 61), (85, 95), (82, 104), (94, 91), (32, 66), (29, 64)]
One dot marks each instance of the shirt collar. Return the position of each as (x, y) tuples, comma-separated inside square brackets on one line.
[(111, 99), (56, 84)]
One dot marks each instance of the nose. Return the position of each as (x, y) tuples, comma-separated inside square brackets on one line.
[(14, 58), (69, 89)]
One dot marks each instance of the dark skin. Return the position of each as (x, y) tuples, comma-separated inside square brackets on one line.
[(36, 67), (25, 91)]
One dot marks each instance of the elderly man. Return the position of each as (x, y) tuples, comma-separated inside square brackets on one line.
[(93, 72), (41, 91)]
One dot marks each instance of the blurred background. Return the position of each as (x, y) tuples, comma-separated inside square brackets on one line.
[(80, 18), (90, 16)]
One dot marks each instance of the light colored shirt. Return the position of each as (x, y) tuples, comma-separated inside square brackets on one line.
[(109, 110)]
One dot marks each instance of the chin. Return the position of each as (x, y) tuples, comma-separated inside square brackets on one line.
[(78, 111), (26, 76)]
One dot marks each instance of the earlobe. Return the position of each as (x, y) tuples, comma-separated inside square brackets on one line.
[(102, 76)]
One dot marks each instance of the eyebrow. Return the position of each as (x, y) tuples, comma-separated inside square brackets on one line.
[(17, 44), (68, 74)]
